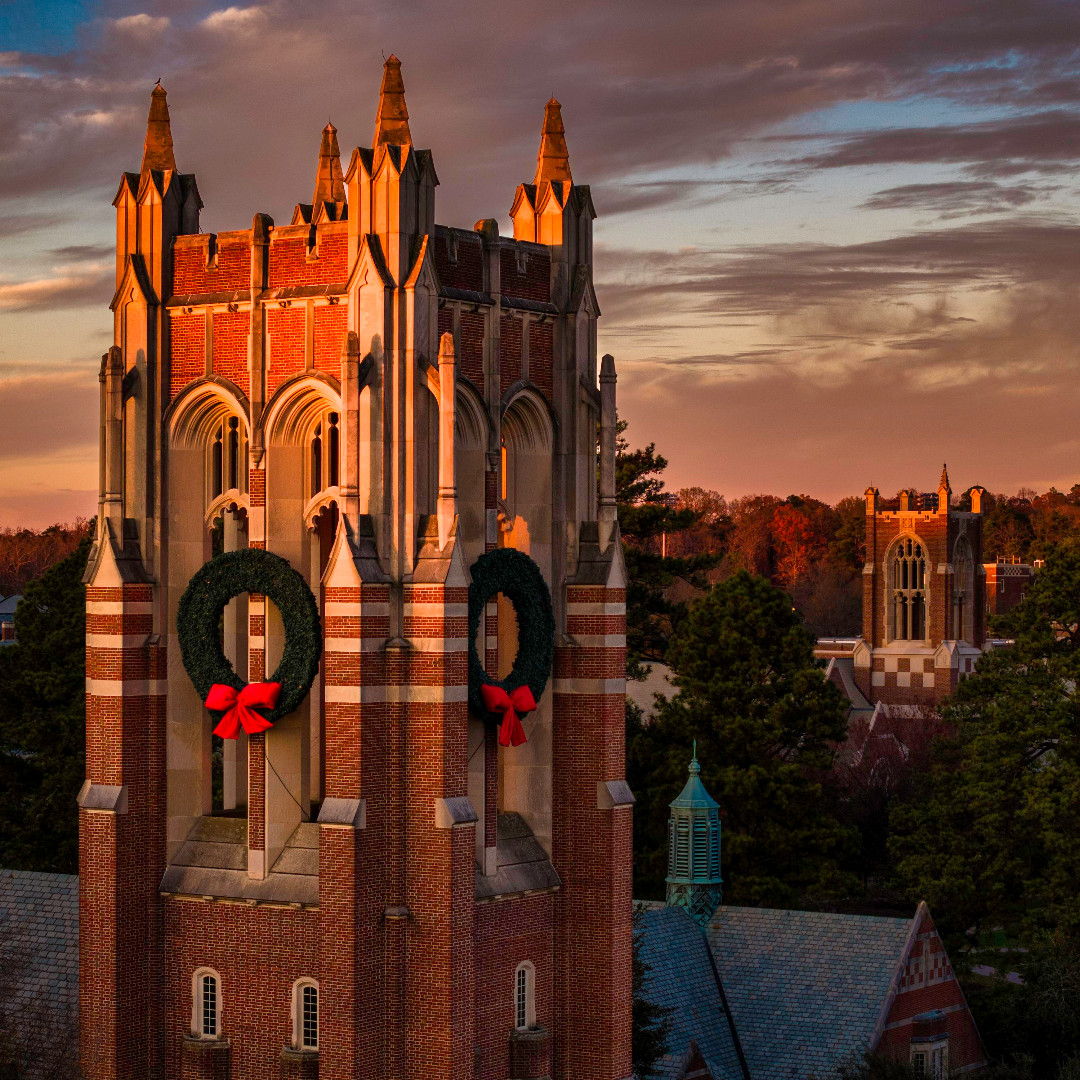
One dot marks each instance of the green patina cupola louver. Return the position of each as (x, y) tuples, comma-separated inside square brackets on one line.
[(694, 880)]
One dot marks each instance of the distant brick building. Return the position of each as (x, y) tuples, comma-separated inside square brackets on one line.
[(927, 599), (1007, 583), (924, 607), (374, 887), (763, 994)]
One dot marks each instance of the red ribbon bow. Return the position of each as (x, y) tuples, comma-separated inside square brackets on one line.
[(521, 701), (239, 707)]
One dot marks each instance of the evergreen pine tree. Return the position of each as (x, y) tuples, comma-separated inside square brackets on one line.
[(43, 721)]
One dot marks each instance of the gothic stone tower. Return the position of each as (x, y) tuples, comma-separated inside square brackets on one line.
[(373, 888), (924, 606)]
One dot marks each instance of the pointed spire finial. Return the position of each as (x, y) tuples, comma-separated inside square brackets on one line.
[(944, 482), (329, 183), (553, 161), (158, 148), (694, 768), (392, 119)]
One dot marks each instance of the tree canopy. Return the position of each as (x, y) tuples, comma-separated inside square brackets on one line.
[(992, 838), (765, 721), (646, 512), (42, 721)]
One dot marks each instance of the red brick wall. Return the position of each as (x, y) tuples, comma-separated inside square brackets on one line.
[(330, 326), (290, 265), (540, 357), (231, 329), (187, 351), (509, 352), (231, 269), (259, 953), (233, 265), (472, 348), (1006, 585), (121, 856), (534, 283), (929, 983), (468, 271), (189, 268), (287, 327), (506, 932), (592, 852)]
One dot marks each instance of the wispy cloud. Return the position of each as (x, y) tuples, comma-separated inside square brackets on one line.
[(1020, 143), (784, 276), (141, 25), (958, 198), (235, 19), (75, 286)]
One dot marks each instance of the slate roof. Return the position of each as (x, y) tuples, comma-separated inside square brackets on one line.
[(39, 935), (806, 988), (682, 978)]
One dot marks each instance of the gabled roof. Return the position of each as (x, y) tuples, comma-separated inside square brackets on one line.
[(807, 988), (39, 914), (681, 977)]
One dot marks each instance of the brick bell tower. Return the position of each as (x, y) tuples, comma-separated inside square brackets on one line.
[(374, 887), (924, 595)]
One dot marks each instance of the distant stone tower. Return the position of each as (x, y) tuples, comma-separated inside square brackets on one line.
[(694, 880), (924, 595), (374, 887)]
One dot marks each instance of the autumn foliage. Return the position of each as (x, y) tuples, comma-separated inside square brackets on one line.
[(25, 554)]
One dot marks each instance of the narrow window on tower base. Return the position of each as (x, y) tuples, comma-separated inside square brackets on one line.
[(206, 1004), (306, 1014), (525, 996)]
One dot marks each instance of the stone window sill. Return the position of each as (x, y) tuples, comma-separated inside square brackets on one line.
[(535, 1034), (196, 1045)]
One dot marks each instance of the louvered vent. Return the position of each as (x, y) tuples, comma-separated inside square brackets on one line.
[(701, 848), (682, 847)]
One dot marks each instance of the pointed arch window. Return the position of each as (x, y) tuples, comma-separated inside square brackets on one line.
[(324, 454), (234, 453), (217, 460), (228, 457), (907, 584)]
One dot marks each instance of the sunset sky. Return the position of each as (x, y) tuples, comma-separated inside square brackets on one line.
[(838, 241)]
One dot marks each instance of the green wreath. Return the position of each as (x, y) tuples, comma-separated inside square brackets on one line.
[(198, 619), (518, 578)]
